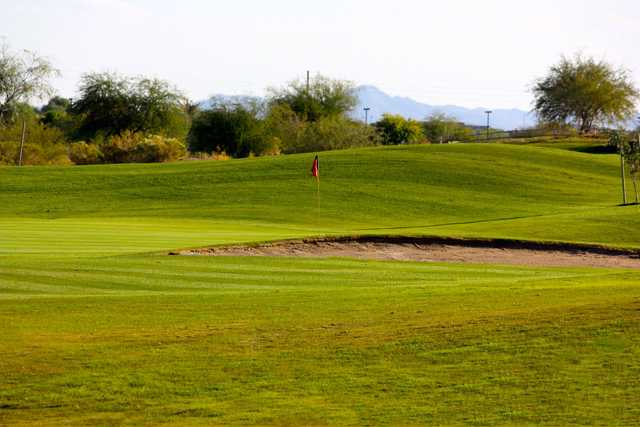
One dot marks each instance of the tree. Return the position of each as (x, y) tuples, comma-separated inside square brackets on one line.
[(110, 104), (23, 77), (293, 135), (395, 129), (57, 113), (231, 128), (323, 97), (441, 128), (585, 92)]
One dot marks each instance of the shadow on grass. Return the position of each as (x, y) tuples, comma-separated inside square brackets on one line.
[(511, 218), (594, 149)]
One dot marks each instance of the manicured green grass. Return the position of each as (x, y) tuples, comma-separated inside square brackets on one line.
[(501, 191), (100, 327), (195, 340)]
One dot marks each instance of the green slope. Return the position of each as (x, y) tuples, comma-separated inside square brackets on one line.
[(464, 190), (101, 328)]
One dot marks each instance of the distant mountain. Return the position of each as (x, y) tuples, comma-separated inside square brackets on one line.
[(380, 103)]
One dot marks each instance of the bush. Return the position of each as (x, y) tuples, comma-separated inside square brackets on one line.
[(334, 133), (118, 149), (294, 135), (395, 129), (135, 147), (156, 148), (43, 145), (8, 152), (440, 128), (33, 154), (82, 153)]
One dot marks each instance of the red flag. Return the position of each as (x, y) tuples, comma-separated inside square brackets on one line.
[(314, 169)]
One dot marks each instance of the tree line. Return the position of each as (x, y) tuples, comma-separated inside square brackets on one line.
[(118, 118)]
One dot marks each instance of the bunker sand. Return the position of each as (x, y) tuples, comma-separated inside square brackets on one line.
[(437, 250)]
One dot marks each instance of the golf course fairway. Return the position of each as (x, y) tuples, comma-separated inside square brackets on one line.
[(101, 327)]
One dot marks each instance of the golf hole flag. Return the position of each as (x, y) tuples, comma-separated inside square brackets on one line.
[(314, 169)]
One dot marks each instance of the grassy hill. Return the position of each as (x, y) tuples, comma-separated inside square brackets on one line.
[(465, 190), (100, 327)]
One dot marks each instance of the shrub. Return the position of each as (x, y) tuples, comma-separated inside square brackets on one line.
[(133, 147), (9, 152), (33, 154), (82, 153), (156, 148), (395, 129), (334, 133), (43, 145), (294, 135), (118, 149), (201, 155), (440, 128)]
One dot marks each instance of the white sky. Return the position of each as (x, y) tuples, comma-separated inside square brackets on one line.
[(469, 53)]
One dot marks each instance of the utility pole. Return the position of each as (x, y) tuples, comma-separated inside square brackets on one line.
[(488, 113), (366, 115), (307, 81), (24, 132)]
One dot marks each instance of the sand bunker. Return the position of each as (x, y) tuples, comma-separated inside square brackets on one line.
[(438, 250)]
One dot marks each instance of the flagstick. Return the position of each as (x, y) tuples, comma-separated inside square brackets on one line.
[(318, 201)]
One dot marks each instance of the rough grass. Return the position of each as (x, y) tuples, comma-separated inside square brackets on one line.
[(100, 328)]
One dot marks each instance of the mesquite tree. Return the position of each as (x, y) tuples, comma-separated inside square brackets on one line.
[(23, 76), (585, 92)]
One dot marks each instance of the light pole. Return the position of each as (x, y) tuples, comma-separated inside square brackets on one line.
[(488, 113), (366, 115)]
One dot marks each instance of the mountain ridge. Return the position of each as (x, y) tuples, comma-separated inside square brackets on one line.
[(380, 103)]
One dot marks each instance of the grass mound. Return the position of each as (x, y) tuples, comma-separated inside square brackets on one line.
[(492, 191)]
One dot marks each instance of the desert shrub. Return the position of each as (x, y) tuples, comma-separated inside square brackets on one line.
[(547, 129), (135, 147), (334, 133), (395, 129), (157, 148), (118, 148), (440, 128), (33, 154), (295, 135), (52, 154), (9, 152), (82, 153), (43, 145), (201, 155), (284, 127)]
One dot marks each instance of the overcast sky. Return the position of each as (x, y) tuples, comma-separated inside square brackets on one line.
[(470, 53)]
